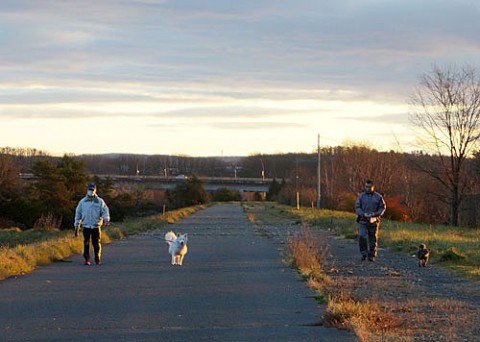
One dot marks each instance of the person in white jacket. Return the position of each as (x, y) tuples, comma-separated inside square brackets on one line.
[(91, 213)]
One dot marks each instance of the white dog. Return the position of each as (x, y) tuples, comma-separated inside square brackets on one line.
[(177, 247)]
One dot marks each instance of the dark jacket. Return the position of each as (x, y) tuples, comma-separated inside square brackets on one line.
[(369, 204)]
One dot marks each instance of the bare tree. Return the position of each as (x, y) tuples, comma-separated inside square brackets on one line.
[(446, 109)]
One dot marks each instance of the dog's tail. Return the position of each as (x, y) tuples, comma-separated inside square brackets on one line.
[(170, 237)]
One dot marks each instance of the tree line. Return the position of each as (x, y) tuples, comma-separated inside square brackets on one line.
[(411, 193)]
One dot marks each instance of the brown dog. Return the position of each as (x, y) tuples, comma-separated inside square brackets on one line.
[(423, 255)]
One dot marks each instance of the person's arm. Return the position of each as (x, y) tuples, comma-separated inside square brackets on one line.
[(78, 218), (105, 213), (381, 207), (358, 206)]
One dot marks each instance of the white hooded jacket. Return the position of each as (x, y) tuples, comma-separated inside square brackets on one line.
[(91, 212)]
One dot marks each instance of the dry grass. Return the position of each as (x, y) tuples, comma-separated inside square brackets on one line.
[(387, 306), (308, 253), (48, 222), (32, 248), (366, 318), (370, 320), (453, 247)]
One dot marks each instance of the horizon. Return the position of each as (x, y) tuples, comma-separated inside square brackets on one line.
[(107, 154)]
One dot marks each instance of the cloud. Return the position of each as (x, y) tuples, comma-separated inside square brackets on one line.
[(255, 125), (395, 118), (227, 65)]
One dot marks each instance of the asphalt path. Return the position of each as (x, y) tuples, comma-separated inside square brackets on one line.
[(233, 286)]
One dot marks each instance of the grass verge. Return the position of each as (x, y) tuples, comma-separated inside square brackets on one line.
[(453, 247), (367, 318), (22, 251)]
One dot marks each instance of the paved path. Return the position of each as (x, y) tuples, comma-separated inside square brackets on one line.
[(232, 287)]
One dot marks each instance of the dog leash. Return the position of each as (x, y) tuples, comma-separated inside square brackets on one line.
[(157, 237)]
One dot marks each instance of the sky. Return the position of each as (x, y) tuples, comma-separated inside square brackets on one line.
[(219, 77)]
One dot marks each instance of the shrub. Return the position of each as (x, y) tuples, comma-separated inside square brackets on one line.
[(347, 202), (452, 254), (226, 195), (187, 193), (396, 210), (48, 222)]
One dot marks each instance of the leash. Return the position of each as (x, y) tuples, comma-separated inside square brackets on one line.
[(157, 237)]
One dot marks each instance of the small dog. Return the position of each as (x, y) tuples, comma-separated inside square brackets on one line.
[(423, 255), (177, 247)]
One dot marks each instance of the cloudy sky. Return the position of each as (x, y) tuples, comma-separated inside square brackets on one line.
[(206, 77)]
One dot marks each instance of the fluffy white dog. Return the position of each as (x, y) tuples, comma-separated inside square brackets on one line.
[(177, 247)]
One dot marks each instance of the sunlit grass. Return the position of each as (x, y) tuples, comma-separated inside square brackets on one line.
[(374, 319), (15, 236), (366, 318), (406, 237), (22, 251)]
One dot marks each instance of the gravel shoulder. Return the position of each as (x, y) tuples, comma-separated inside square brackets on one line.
[(432, 304)]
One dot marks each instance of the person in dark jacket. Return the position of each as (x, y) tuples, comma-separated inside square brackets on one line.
[(369, 207)]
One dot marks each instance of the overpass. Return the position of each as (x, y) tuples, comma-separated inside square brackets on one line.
[(243, 185), (246, 186)]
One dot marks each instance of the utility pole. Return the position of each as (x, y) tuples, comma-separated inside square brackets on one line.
[(319, 187), (297, 192), (263, 169)]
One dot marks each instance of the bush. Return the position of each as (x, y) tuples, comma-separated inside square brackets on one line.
[(48, 222), (187, 193), (452, 254), (347, 202), (396, 210), (226, 195), (274, 190)]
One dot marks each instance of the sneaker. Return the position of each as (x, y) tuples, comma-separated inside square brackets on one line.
[(98, 262), (87, 262), (364, 257), (372, 259)]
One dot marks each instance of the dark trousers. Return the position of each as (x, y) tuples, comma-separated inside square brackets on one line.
[(367, 239), (95, 234)]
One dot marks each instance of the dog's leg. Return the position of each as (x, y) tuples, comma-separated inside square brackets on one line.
[(173, 259), (180, 259)]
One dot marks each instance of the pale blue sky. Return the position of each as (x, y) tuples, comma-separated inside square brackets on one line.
[(201, 77)]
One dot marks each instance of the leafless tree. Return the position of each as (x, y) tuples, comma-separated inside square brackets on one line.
[(445, 108)]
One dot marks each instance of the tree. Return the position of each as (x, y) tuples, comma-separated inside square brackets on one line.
[(274, 189), (188, 193), (73, 171), (50, 190), (446, 109), (9, 180)]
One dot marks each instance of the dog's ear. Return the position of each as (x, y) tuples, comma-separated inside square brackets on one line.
[(178, 234)]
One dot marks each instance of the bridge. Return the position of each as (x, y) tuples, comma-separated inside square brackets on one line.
[(246, 186)]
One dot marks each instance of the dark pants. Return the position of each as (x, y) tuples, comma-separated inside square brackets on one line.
[(367, 239), (95, 234)]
